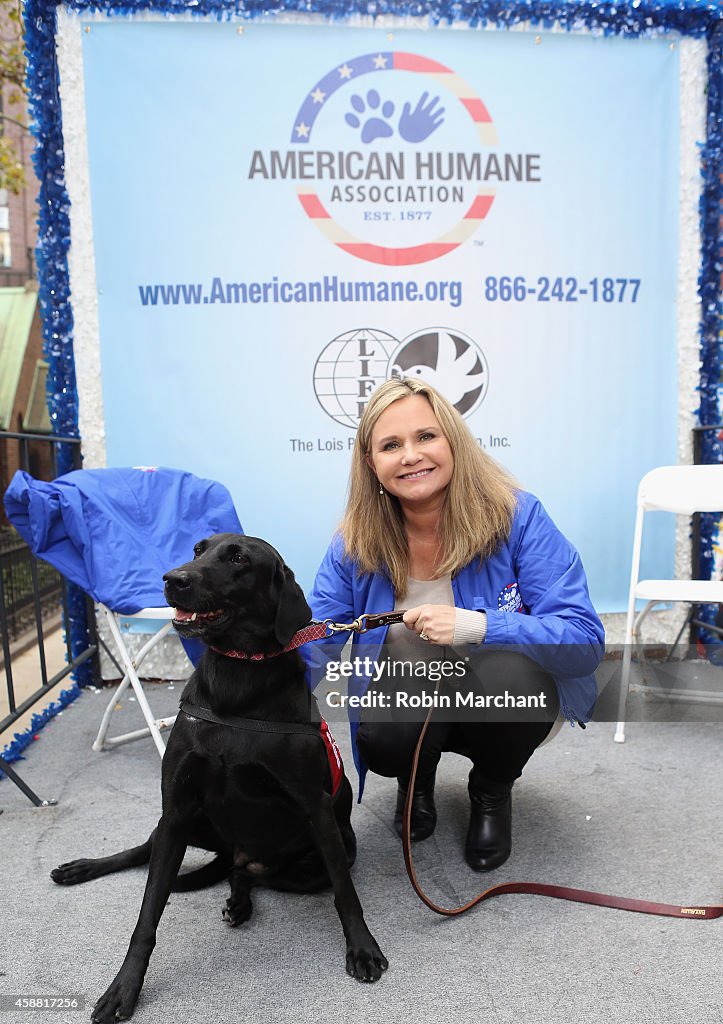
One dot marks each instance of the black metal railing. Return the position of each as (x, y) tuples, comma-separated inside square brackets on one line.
[(34, 599), (16, 568)]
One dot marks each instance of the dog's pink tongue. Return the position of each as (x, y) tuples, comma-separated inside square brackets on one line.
[(181, 615)]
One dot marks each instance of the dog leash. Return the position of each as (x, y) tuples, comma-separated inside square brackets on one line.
[(560, 892), (319, 631)]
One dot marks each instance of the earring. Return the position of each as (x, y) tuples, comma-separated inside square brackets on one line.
[(381, 489)]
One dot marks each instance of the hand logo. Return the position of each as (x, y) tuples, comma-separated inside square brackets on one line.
[(418, 124)]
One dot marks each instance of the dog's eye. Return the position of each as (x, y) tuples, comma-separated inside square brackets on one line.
[(197, 550), (239, 557)]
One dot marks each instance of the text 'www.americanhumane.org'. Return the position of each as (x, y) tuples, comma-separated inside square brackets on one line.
[(276, 291)]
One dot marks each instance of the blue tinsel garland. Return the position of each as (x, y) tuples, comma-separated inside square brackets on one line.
[(52, 263), (709, 288), (14, 750), (636, 18), (633, 18)]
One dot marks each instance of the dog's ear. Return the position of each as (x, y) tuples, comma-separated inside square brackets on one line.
[(292, 611)]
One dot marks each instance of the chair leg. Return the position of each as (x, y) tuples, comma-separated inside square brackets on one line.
[(624, 689), (99, 742), (686, 625), (130, 667), (148, 715), (632, 633), (632, 636)]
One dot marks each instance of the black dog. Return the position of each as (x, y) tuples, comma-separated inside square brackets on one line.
[(258, 793)]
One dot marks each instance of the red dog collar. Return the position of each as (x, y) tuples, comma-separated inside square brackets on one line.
[(314, 631)]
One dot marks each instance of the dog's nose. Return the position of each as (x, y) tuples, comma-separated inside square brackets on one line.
[(178, 579)]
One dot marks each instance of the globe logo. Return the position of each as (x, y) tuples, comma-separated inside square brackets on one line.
[(449, 361), (348, 370)]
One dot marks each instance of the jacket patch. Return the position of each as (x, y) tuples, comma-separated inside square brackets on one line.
[(509, 599)]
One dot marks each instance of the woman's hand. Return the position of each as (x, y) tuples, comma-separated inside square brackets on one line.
[(433, 622)]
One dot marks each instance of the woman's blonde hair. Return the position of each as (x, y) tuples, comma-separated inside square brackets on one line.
[(478, 507)]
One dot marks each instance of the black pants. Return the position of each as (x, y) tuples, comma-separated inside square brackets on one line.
[(499, 745)]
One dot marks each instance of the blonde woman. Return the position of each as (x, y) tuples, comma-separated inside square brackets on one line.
[(435, 526)]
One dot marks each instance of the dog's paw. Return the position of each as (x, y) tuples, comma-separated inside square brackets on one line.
[(366, 962), (118, 1003), (237, 910), (74, 872)]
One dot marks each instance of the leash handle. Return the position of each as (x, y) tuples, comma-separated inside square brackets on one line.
[(560, 892)]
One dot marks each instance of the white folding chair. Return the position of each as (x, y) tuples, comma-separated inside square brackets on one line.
[(684, 490), (157, 624)]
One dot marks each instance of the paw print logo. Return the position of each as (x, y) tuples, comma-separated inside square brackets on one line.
[(373, 116), (375, 126)]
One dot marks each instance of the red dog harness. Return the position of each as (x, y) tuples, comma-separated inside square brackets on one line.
[(336, 765)]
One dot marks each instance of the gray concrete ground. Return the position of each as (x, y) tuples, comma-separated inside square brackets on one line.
[(640, 819)]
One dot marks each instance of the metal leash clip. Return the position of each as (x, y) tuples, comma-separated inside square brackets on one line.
[(365, 622), (358, 625)]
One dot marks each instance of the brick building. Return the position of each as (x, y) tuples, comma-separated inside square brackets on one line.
[(23, 371)]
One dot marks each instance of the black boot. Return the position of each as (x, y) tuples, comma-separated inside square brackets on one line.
[(424, 813), (489, 837)]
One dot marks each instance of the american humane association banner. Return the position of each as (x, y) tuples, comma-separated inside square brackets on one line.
[(287, 215)]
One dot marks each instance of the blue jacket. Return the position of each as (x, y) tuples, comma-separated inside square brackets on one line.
[(114, 532), (533, 590)]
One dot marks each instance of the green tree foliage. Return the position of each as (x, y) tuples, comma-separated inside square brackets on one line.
[(12, 85)]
